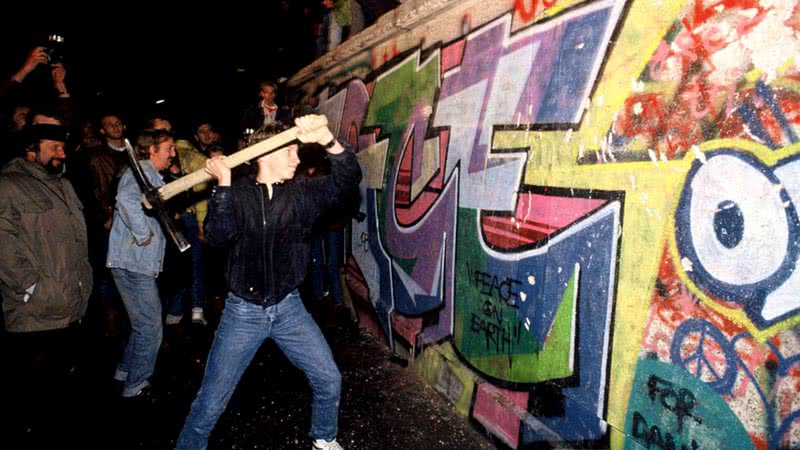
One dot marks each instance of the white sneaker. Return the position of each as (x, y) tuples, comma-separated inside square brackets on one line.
[(173, 320), (197, 316), (120, 375), (321, 444)]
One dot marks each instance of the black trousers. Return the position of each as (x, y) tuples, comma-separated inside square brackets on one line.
[(39, 384)]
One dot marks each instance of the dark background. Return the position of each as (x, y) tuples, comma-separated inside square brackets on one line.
[(204, 61)]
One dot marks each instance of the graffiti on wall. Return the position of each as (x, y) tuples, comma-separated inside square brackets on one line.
[(642, 291)]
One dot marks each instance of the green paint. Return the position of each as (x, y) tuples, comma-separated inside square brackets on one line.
[(660, 391), (526, 361), (429, 364), (393, 100)]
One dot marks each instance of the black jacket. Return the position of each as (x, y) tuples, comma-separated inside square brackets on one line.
[(268, 239), (253, 117)]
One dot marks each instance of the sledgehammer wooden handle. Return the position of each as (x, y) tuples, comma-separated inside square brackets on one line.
[(262, 148)]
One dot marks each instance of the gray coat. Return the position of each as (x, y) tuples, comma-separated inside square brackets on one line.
[(42, 241)]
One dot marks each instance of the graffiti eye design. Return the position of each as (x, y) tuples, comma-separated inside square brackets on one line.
[(736, 229)]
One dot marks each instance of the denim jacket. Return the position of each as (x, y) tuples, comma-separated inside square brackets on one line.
[(133, 226)]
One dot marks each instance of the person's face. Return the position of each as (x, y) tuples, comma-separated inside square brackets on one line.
[(87, 128), (205, 134), (112, 127), (282, 163), (50, 155), (161, 155), (20, 116), (267, 94), (162, 124)]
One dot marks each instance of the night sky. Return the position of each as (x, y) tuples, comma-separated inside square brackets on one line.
[(204, 62)]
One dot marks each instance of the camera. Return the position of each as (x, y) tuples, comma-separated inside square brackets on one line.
[(54, 47)]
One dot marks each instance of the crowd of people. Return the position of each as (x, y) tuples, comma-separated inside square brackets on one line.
[(81, 257)]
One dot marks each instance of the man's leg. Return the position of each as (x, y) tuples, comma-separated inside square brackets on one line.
[(140, 296), (198, 267), (175, 307), (302, 342), (242, 329)]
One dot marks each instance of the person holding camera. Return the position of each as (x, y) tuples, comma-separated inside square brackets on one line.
[(15, 105), (37, 56)]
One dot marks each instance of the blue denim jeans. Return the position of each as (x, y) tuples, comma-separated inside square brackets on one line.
[(175, 303), (140, 295), (327, 248), (242, 329)]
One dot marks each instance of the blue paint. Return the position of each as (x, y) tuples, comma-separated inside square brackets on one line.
[(749, 116), (729, 224), (766, 93), (384, 305), (697, 362), (584, 394), (572, 73)]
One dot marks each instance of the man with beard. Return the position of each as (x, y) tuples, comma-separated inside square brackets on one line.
[(45, 279)]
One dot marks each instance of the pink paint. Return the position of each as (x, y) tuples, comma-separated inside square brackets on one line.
[(557, 212), (537, 217), (452, 54), (499, 411)]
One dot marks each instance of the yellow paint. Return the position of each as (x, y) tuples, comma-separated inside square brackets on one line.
[(552, 162), (429, 365)]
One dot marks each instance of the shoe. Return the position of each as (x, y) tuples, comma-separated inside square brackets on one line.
[(197, 316), (143, 391), (120, 375), (173, 320), (322, 444)]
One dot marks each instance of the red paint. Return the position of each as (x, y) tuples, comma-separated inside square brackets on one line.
[(528, 14), (500, 410), (409, 212), (452, 55), (407, 327)]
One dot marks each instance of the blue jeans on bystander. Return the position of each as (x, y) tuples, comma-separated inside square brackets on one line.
[(140, 295), (175, 303)]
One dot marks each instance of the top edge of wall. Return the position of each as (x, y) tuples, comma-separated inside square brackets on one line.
[(393, 23)]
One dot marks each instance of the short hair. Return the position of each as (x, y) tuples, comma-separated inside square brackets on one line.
[(46, 111), (264, 84), (266, 132), (149, 138), (215, 148), (151, 121), (202, 122)]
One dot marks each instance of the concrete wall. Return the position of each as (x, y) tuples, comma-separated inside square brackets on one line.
[(582, 216)]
